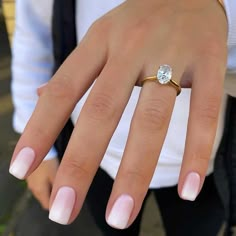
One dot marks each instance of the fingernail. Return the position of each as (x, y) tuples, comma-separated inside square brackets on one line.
[(191, 186), (22, 163), (120, 212), (42, 85), (63, 205), (39, 89)]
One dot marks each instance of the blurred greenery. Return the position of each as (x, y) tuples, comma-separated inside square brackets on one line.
[(2, 228)]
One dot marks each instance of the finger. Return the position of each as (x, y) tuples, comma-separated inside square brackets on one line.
[(95, 126), (56, 104), (204, 110), (147, 133)]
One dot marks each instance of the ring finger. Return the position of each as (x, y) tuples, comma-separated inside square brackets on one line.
[(147, 133)]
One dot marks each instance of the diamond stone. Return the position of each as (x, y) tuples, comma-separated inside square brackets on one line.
[(164, 74)]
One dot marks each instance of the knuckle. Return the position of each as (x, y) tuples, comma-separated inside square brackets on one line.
[(201, 159), (74, 168), (135, 34), (208, 113), (62, 87), (212, 49), (132, 38), (100, 28), (154, 114), (101, 108), (136, 176)]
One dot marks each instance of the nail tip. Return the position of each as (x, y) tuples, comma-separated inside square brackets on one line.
[(188, 198), (57, 220), (115, 224), (22, 163), (190, 189), (121, 211), (63, 205), (15, 173)]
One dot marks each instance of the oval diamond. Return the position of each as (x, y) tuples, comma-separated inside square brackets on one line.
[(164, 74)]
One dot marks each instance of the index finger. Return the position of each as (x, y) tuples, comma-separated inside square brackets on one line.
[(56, 104)]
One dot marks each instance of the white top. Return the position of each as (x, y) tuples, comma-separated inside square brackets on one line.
[(32, 66)]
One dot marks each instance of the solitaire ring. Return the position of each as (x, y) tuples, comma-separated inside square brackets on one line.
[(163, 76)]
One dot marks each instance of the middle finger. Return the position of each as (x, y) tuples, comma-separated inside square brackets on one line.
[(94, 128)]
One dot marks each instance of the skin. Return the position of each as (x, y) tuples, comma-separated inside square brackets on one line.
[(40, 182), (134, 39)]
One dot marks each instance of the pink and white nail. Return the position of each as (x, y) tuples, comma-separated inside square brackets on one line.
[(22, 163), (63, 205), (121, 211), (191, 186)]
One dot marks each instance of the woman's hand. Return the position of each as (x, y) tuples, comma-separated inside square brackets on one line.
[(120, 49), (40, 182)]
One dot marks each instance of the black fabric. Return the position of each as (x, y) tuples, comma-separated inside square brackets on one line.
[(225, 167), (64, 41), (180, 217), (64, 30), (204, 216), (231, 158), (97, 199)]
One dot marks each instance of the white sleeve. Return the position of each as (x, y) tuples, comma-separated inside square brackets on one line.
[(230, 7), (230, 82), (32, 58)]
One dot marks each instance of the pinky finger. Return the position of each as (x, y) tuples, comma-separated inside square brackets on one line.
[(205, 104)]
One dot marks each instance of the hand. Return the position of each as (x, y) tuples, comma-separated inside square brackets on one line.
[(126, 45), (40, 182)]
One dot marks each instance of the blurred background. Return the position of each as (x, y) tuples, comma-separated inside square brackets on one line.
[(20, 214)]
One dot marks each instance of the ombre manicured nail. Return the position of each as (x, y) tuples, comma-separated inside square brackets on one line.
[(22, 163), (42, 85), (63, 205), (120, 212), (191, 186)]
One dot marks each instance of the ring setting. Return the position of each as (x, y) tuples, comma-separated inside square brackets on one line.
[(163, 76)]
